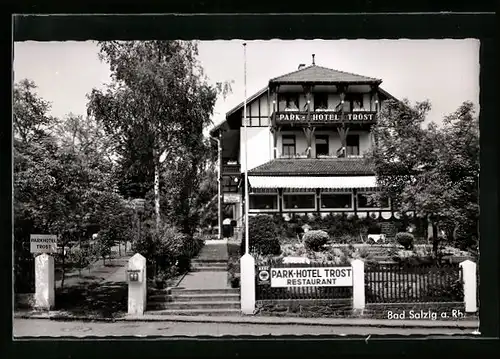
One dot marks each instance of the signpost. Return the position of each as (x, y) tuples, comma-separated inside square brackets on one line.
[(312, 277), (43, 243)]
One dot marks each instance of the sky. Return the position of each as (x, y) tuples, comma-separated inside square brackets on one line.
[(445, 72)]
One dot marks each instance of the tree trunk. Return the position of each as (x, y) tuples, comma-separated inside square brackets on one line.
[(435, 239), (63, 269), (157, 192)]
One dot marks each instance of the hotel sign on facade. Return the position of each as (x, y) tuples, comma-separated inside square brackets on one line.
[(311, 277), (325, 117)]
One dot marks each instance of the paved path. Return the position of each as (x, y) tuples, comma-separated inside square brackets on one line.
[(40, 327), (112, 271), (212, 250)]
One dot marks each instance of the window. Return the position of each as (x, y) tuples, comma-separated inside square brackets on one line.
[(354, 102), (288, 145), (352, 145), (320, 101), (322, 145), (336, 200), (289, 102), (372, 200), (299, 201), (263, 201)]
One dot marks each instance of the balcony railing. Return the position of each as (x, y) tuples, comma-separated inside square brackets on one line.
[(324, 117), (231, 168)]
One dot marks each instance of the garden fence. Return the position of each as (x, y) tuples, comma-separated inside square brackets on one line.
[(416, 283)]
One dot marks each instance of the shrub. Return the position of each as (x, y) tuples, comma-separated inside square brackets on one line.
[(315, 240), (405, 239), (263, 234)]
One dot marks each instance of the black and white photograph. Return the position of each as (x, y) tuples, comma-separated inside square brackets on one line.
[(246, 187)]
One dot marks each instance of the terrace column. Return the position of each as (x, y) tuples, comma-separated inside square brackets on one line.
[(343, 130), (309, 131)]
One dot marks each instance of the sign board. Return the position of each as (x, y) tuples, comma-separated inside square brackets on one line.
[(388, 228), (263, 275), (325, 117), (43, 243), (231, 198), (311, 277)]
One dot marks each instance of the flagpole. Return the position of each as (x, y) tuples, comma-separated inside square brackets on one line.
[(247, 239), (247, 262)]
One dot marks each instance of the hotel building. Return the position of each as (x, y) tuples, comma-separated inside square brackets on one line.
[(307, 133)]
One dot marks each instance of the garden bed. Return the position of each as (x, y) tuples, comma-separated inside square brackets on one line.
[(233, 266)]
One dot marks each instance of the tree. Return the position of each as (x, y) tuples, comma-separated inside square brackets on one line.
[(432, 171), (63, 177), (158, 103)]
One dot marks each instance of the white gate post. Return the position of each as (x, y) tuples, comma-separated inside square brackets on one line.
[(44, 282), (470, 285), (358, 286), (137, 284), (247, 284)]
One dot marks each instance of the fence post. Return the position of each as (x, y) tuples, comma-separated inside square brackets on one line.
[(137, 284), (470, 285), (358, 286), (247, 284)]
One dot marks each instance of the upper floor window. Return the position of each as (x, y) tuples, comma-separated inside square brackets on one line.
[(322, 145), (354, 102), (320, 101), (288, 102), (289, 148), (352, 145)]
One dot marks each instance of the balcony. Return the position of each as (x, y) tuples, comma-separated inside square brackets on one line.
[(324, 117), (231, 168)]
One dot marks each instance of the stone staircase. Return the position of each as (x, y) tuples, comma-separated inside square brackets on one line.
[(203, 291)]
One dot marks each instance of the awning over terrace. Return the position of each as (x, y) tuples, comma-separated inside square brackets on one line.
[(313, 182)]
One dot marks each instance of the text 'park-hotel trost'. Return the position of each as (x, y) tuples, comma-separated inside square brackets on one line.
[(307, 133)]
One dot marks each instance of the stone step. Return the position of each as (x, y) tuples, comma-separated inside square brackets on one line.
[(209, 260), (204, 297), (183, 291), (209, 264), (209, 269), (188, 312), (196, 305), (159, 298)]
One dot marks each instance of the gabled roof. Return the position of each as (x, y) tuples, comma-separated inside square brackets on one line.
[(250, 99), (314, 167), (319, 74)]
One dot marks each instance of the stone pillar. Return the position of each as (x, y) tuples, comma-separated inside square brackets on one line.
[(247, 283), (358, 286), (44, 282), (470, 285), (137, 284)]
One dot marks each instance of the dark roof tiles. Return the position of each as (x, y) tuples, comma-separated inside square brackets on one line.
[(318, 74), (314, 166)]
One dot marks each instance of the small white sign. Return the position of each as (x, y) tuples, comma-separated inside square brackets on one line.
[(43, 243), (231, 198), (311, 277)]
